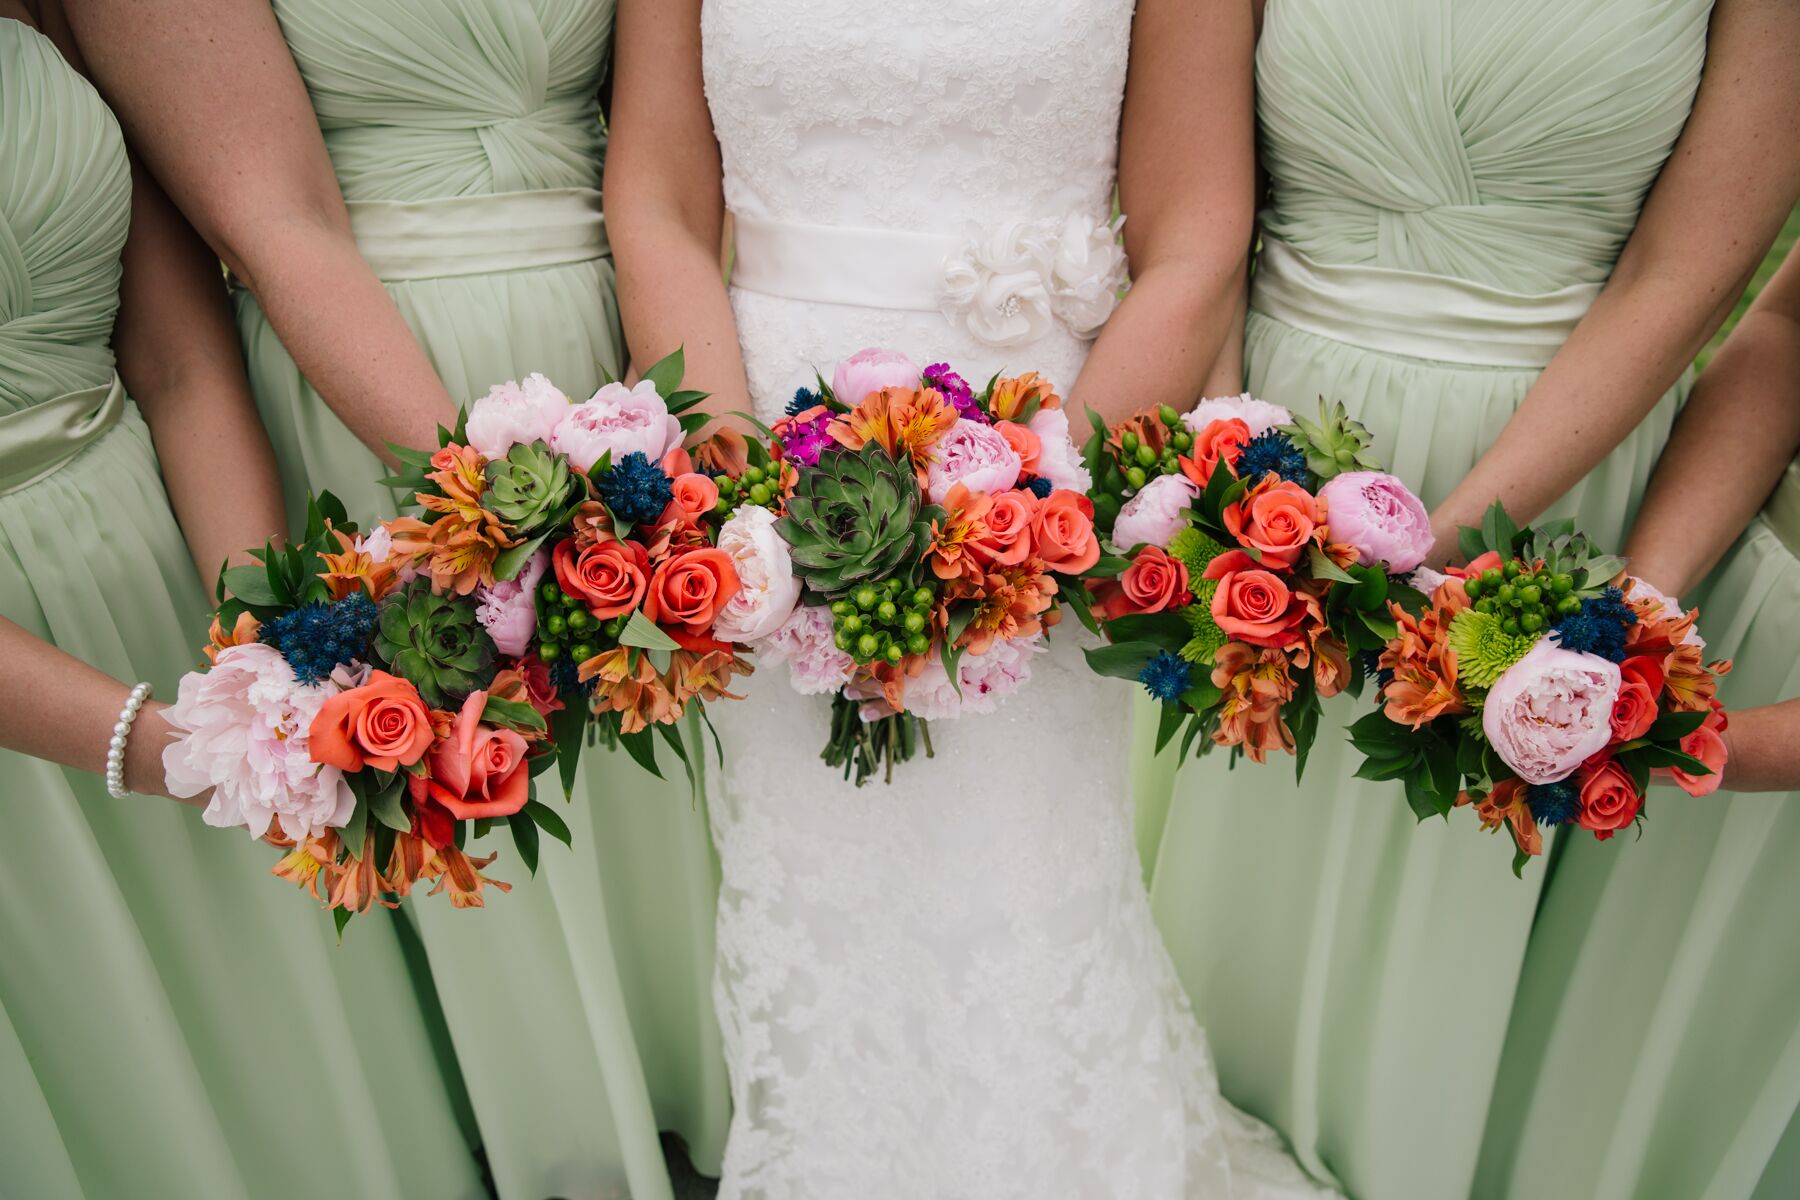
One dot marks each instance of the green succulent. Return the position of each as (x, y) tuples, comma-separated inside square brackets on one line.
[(528, 488), (1483, 649), (1335, 444), (857, 517), (434, 641)]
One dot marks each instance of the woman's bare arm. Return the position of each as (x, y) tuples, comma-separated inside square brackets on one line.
[(1763, 749), (1715, 209), (211, 98)]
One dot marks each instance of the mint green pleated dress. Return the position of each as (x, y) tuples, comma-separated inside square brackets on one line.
[(1451, 183), (1655, 1045), (174, 1021), (467, 140)]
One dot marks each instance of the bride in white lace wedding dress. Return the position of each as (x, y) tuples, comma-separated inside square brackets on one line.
[(950, 986)]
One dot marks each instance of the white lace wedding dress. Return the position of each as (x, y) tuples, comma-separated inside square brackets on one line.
[(951, 986)]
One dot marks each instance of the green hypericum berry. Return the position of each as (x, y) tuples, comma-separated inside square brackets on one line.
[(841, 639), (1168, 416), (1531, 593), (723, 505), (1145, 456), (1511, 627), (1512, 570), (853, 623), (581, 620), (549, 651), (1181, 439), (886, 611), (569, 601), (915, 622), (1531, 622), (1568, 605), (1506, 593), (866, 597), (558, 624), (842, 608), (760, 493), (918, 643), (894, 653), (867, 645), (923, 598), (1492, 578), (550, 592), (581, 651), (1136, 477), (615, 627), (1473, 588), (1128, 441), (1562, 585), (754, 475)]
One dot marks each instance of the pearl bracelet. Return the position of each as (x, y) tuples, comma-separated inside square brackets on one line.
[(115, 751)]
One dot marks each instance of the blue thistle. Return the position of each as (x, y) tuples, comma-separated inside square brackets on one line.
[(1553, 803), (1166, 676), (1274, 451), (804, 398), (565, 677), (1040, 487), (636, 490), (318, 638), (1370, 661), (1599, 627)]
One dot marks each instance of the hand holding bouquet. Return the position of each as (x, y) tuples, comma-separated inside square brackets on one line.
[(1542, 686), (1257, 555)]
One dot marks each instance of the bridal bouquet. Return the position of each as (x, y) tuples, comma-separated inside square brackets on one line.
[(1542, 686), (904, 541), (1257, 558), (372, 698)]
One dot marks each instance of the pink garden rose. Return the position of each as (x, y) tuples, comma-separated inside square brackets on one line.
[(871, 370), (804, 642), (769, 588), (975, 455), (514, 413), (1260, 416), (1058, 459), (244, 727), (1551, 711), (508, 610), (1380, 516), (1156, 514), (620, 419)]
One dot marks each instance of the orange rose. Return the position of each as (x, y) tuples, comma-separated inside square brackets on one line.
[(1152, 583), (1609, 800), (1707, 744), (695, 495), (690, 588), (1007, 537), (478, 771), (1220, 441), (1062, 533), (1024, 443), (1253, 605), (1641, 679), (382, 724), (1276, 519), (612, 577)]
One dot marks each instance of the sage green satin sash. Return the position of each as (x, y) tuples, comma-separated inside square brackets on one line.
[(1782, 512), (35, 442), (1434, 317), (479, 235)]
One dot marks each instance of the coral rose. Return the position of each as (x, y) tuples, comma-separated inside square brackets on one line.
[(690, 588), (1062, 533), (1254, 605), (694, 495), (1005, 538), (1276, 519), (1221, 441), (1640, 681), (1707, 744), (478, 771), (612, 577), (1609, 800), (382, 724), (1024, 442), (1152, 583)]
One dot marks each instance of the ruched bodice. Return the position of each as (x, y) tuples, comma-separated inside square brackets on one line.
[(65, 206), (1507, 142), (424, 99)]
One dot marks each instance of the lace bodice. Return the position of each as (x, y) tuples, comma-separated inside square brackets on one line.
[(922, 115), (424, 99)]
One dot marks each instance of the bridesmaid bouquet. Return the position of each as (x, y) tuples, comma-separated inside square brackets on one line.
[(1257, 557), (372, 699), (1542, 686), (903, 542)]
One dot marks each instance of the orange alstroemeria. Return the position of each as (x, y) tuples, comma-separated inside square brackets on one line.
[(1257, 681), (724, 453), (953, 538), (350, 569), (357, 885), (1010, 602), (1011, 396), (1424, 666), (463, 879), (1506, 805), (243, 631), (706, 675), (635, 691), (905, 422)]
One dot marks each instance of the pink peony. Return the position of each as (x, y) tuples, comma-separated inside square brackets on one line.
[(1156, 514), (975, 455), (869, 371), (1551, 711), (769, 589), (1259, 415), (620, 419), (1058, 459), (1380, 516), (244, 730), (514, 413), (804, 642), (508, 610), (986, 680)]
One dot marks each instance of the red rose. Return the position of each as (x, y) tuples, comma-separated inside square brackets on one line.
[(1062, 533), (1641, 681), (1707, 744), (383, 724), (1220, 441), (1152, 583), (1276, 519), (611, 576), (478, 771), (690, 588), (1006, 536), (1609, 800), (1254, 605)]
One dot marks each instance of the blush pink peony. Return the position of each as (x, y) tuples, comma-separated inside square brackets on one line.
[(1380, 516), (1259, 415), (508, 610), (975, 455), (869, 371), (514, 413), (1059, 460), (804, 642), (769, 589), (1551, 711), (1156, 514), (618, 419)]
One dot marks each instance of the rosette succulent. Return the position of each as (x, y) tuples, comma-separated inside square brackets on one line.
[(1335, 443), (528, 488), (434, 641), (855, 518)]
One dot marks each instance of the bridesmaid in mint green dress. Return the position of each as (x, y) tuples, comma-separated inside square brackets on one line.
[(465, 136), (1453, 183), (173, 1020), (1655, 1047)]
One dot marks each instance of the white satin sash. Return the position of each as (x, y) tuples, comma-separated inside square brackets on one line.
[(838, 264)]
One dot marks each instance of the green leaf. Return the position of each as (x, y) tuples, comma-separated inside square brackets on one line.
[(1305, 724), (525, 838), (340, 917), (667, 373), (642, 748), (1498, 529), (642, 632), (680, 401), (1166, 629), (672, 736), (1410, 599), (1520, 858), (1664, 756), (548, 820), (1321, 566), (1168, 721), (1469, 543), (1122, 660), (1441, 760), (385, 806), (1379, 770), (356, 829), (1424, 802), (508, 563), (1203, 695), (1382, 627), (567, 726), (250, 584), (1187, 739), (1673, 726), (511, 714)]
